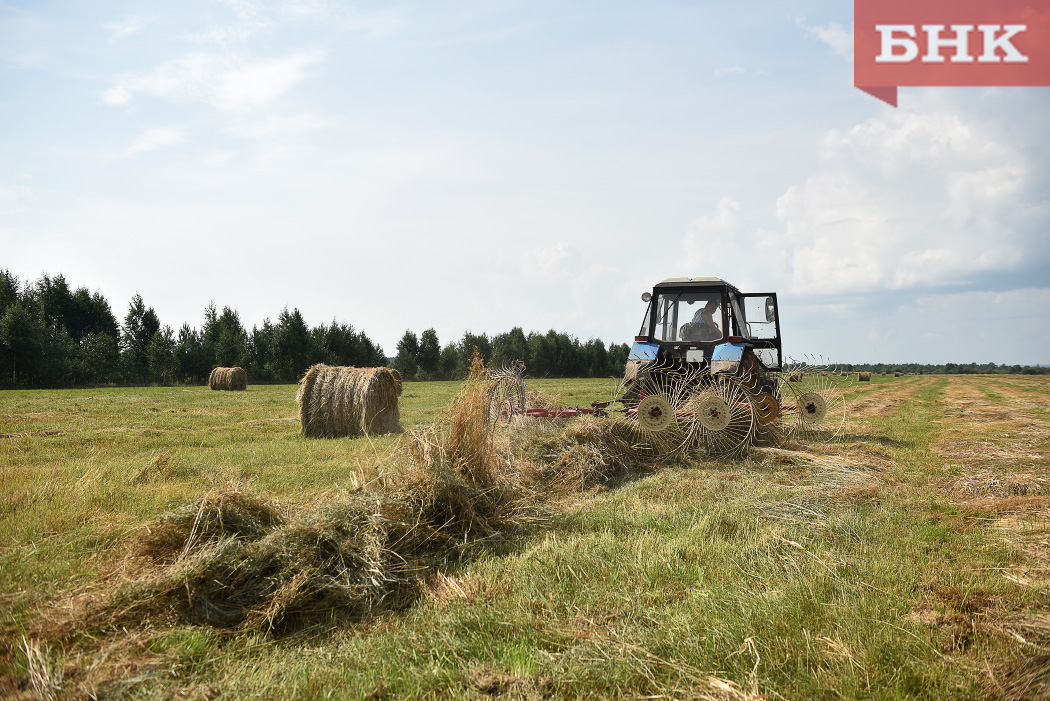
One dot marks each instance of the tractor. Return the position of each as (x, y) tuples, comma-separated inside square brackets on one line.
[(706, 369)]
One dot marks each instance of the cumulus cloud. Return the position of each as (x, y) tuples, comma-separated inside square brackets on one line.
[(729, 70), (835, 35), (271, 127), (242, 8), (12, 197), (251, 20), (228, 82), (907, 200), (959, 327), (551, 261), (123, 29), (156, 138), (714, 238)]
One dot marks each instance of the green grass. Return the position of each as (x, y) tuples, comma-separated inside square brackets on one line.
[(783, 578)]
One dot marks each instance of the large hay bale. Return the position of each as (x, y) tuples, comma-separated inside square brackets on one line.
[(864, 376), (896, 374), (347, 401), (228, 379)]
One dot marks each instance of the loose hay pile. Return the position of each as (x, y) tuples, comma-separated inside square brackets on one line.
[(228, 379), (591, 452), (345, 401), (233, 560)]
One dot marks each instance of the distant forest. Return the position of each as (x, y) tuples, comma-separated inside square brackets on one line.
[(54, 336)]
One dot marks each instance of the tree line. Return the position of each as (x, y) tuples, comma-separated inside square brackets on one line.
[(54, 336), (551, 354)]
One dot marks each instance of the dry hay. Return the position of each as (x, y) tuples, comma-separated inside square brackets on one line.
[(1028, 679), (590, 452), (234, 560), (237, 561), (339, 401), (897, 374), (990, 483), (864, 376), (228, 379), (397, 379)]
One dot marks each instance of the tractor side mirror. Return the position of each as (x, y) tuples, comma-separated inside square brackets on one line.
[(771, 310), (646, 296)]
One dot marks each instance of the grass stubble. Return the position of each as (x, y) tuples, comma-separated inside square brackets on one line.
[(534, 563)]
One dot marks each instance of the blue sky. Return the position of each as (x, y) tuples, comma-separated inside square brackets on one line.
[(480, 165)]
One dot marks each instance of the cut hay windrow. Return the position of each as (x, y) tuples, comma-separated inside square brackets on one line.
[(337, 401), (233, 560), (228, 379), (593, 452)]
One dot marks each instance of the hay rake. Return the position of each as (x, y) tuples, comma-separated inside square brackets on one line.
[(679, 410), (707, 378)]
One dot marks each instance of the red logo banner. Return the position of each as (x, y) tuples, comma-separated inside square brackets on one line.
[(949, 42)]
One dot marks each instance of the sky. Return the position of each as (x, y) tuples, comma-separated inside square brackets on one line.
[(478, 165)]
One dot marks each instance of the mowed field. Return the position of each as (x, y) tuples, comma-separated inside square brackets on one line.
[(910, 559)]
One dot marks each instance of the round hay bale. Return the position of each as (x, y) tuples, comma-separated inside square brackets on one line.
[(345, 401), (397, 378), (228, 379), (795, 376), (864, 376), (897, 374)]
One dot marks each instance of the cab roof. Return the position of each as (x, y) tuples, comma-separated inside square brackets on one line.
[(695, 282)]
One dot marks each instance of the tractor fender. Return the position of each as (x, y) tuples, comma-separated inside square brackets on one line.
[(725, 359), (643, 351)]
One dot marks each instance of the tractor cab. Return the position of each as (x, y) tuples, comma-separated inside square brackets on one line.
[(707, 323)]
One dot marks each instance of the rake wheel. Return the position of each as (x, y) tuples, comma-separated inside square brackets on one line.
[(506, 394), (725, 416), (656, 402), (815, 406)]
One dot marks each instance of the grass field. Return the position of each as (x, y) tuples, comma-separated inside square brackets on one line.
[(908, 560)]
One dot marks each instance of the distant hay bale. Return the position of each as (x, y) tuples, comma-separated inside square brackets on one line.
[(864, 376), (228, 379), (347, 401), (897, 374), (795, 376)]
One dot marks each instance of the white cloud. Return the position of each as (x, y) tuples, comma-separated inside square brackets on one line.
[(251, 20), (123, 29), (729, 70), (375, 25), (156, 138), (276, 126), (712, 239), (960, 327), (228, 82), (834, 35), (13, 197), (905, 200), (242, 8), (552, 261), (220, 35)]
